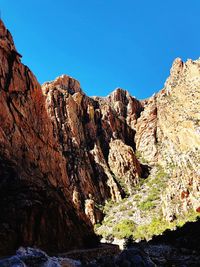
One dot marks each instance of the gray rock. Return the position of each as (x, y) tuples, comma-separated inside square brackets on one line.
[(13, 261)]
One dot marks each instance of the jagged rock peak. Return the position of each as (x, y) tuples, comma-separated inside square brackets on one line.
[(33, 179), (178, 65), (125, 105), (4, 33), (3, 30), (183, 73), (63, 82), (119, 94), (6, 40)]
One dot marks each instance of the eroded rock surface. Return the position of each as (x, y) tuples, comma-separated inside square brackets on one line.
[(124, 164), (168, 133), (86, 128), (54, 146), (64, 154), (35, 199)]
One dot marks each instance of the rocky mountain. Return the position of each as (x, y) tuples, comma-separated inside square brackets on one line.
[(168, 132), (35, 203), (63, 155), (167, 140)]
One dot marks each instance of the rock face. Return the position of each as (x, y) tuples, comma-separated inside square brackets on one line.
[(54, 147), (35, 199), (63, 154), (146, 131), (124, 164), (179, 136), (86, 128), (168, 133)]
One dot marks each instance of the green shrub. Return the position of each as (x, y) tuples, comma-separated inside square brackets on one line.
[(122, 208), (124, 229), (108, 205), (156, 227), (161, 173), (130, 204), (138, 154), (190, 216), (137, 197), (154, 194), (96, 226), (108, 221), (146, 205), (149, 202)]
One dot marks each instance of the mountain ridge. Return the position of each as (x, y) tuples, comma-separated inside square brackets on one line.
[(71, 153)]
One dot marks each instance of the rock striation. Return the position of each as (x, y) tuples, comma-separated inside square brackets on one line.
[(88, 131), (124, 164), (64, 154), (179, 136), (168, 133), (54, 147), (35, 198)]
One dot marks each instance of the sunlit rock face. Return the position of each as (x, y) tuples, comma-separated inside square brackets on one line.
[(124, 164), (179, 135), (102, 134), (54, 147), (85, 128), (146, 131), (64, 154), (168, 133)]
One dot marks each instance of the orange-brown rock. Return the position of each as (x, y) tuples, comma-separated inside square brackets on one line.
[(84, 127), (146, 130), (94, 214), (35, 199), (124, 164), (54, 147), (62, 153)]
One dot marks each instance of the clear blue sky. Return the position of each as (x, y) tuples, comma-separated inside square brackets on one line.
[(105, 43)]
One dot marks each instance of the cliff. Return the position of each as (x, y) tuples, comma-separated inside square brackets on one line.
[(64, 155), (54, 150), (168, 133), (35, 198), (167, 141)]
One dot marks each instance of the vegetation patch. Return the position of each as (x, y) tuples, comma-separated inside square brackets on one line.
[(158, 225), (140, 216), (124, 229), (146, 205)]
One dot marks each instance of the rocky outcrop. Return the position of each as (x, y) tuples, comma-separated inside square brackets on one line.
[(124, 165), (64, 154), (85, 127), (34, 186), (120, 112), (126, 106), (54, 147), (179, 137), (74, 117), (168, 134), (27, 257), (146, 131)]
